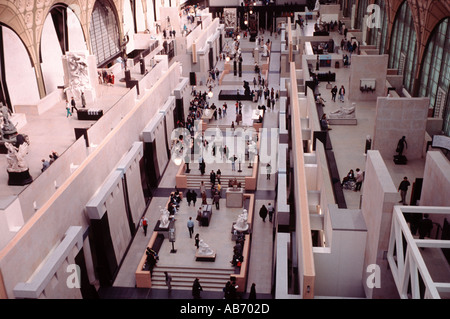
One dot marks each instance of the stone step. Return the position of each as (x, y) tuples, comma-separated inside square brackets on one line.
[(213, 279), (194, 182), (180, 269)]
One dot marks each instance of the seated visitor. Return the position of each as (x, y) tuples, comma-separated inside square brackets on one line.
[(324, 123), (350, 177)]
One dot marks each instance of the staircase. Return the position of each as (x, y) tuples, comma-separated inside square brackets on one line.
[(193, 181), (211, 279)]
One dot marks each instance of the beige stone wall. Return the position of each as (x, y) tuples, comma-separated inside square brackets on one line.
[(436, 180), (379, 197), (397, 117), (367, 67)]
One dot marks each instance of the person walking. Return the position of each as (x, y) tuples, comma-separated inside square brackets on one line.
[(189, 197), (73, 104), (197, 240), (216, 200), (403, 188), (263, 212), (194, 197), (68, 113), (233, 162), (334, 91), (218, 175), (359, 177), (196, 289), (83, 100), (341, 93), (270, 210), (144, 225), (190, 226), (268, 170), (212, 177), (168, 279)]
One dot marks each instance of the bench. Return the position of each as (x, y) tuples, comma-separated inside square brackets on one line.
[(142, 275)]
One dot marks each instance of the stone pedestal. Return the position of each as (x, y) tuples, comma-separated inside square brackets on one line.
[(235, 197), (200, 257), (19, 178)]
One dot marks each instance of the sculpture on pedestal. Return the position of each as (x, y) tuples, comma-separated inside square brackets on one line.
[(204, 249), (164, 220), (78, 76), (7, 127), (8, 131), (241, 223), (17, 167), (343, 112)]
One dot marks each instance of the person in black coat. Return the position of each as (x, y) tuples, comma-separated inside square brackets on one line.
[(196, 289), (189, 197), (425, 227), (194, 197), (263, 212), (212, 177), (252, 294)]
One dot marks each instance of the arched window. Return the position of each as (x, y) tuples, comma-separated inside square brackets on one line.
[(403, 48), (17, 75), (362, 9), (435, 75), (104, 33), (378, 35), (61, 32)]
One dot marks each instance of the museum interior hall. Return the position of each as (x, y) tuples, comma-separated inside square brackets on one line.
[(225, 149)]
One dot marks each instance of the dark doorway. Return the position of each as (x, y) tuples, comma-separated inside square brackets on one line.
[(105, 263), (211, 59), (151, 164), (179, 111), (144, 181), (126, 196), (88, 291)]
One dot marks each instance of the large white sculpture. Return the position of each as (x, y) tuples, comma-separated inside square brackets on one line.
[(77, 73), (343, 112), (317, 6), (16, 157), (164, 220), (204, 249), (241, 223)]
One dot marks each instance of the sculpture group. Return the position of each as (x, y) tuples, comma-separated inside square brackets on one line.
[(16, 148)]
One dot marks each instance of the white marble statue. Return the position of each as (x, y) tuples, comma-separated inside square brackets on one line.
[(343, 112), (77, 66), (16, 157), (164, 220), (241, 223), (6, 126), (317, 6), (204, 249), (265, 50)]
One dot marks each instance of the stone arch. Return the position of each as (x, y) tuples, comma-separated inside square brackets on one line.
[(18, 70)]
